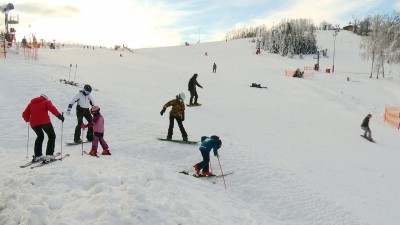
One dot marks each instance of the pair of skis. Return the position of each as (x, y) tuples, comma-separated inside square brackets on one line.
[(41, 163)]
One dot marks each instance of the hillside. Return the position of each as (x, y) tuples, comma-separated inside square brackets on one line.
[(294, 148)]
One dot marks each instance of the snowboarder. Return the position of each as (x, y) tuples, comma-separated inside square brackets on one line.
[(84, 101), (36, 113), (207, 143), (215, 68), (98, 130), (365, 127), (177, 113), (192, 89)]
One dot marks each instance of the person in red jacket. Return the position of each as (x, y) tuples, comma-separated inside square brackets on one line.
[(36, 113)]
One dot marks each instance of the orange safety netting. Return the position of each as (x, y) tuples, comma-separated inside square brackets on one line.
[(392, 116)]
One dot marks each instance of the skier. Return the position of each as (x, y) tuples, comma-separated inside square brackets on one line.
[(36, 113), (177, 113), (84, 101), (365, 127), (192, 88), (98, 129), (215, 68), (207, 143)]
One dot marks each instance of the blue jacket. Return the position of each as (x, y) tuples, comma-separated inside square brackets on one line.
[(208, 143)]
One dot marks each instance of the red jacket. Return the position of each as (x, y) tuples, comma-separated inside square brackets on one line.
[(36, 111)]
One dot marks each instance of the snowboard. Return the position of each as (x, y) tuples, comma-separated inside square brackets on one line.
[(179, 141), (188, 105), (77, 143), (368, 139)]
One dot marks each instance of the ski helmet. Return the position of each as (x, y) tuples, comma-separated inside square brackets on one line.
[(44, 96), (182, 96), (95, 109), (215, 137), (87, 88)]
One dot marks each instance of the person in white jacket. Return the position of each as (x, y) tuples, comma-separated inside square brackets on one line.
[(84, 103)]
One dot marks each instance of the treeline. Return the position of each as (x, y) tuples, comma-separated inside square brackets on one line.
[(290, 36), (381, 40)]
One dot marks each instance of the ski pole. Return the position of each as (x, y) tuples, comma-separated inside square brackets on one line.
[(69, 76), (76, 68), (221, 171), (27, 143), (83, 131), (62, 127)]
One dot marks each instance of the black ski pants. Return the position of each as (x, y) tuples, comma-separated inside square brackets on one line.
[(193, 94), (48, 128), (203, 165), (80, 113), (171, 126)]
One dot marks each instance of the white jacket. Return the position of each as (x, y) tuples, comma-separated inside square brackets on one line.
[(84, 101)]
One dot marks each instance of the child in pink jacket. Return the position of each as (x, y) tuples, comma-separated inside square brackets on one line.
[(98, 132)]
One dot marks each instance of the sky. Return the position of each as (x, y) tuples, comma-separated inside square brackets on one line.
[(294, 148), (156, 23)]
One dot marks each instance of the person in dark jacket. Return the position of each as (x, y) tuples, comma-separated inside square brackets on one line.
[(36, 113), (365, 127), (177, 113), (207, 143), (215, 68), (192, 89)]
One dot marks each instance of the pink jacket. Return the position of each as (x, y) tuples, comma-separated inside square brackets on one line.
[(97, 123)]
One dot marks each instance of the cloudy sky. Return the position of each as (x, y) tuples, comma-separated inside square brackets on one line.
[(153, 23)]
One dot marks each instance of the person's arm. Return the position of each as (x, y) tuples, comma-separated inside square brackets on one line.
[(27, 113), (197, 83)]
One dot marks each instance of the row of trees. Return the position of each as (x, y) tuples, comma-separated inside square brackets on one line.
[(290, 36), (381, 40)]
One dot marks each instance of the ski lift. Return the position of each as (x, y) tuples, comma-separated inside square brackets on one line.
[(13, 18)]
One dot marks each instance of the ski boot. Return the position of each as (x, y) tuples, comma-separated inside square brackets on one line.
[(93, 152), (106, 152), (197, 169), (37, 158), (207, 174)]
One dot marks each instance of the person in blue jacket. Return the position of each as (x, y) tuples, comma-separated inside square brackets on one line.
[(207, 143)]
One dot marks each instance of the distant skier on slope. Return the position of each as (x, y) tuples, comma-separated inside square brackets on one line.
[(177, 113), (215, 68), (192, 88), (84, 102), (365, 127), (36, 113), (97, 125), (207, 143)]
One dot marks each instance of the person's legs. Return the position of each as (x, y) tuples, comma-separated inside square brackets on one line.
[(192, 93), (79, 117), (203, 165), (88, 117), (183, 131), (48, 128), (195, 96), (171, 127), (39, 140)]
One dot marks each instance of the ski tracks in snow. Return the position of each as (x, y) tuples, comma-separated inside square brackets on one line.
[(284, 198)]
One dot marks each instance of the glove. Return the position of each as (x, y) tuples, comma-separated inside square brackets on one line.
[(83, 126), (68, 111), (217, 155), (162, 111), (183, 117), (61, 117)]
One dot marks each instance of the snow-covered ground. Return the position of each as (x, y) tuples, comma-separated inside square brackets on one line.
[(294, 148)]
